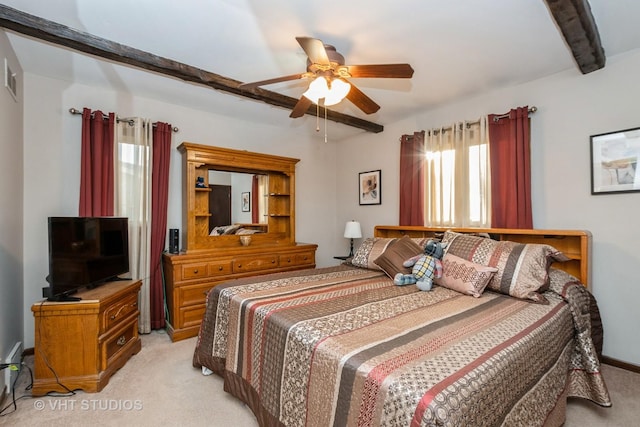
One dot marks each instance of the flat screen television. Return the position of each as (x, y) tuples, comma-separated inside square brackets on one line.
[(85, 252)]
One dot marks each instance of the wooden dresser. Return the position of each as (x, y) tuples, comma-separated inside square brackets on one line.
[(190, 276), (83, 343)]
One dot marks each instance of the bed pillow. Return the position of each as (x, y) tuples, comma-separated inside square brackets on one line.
[(464, 276), (370, 249), (523, 268), (396, 253)]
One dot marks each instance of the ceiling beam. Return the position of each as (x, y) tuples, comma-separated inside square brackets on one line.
[(579, 29), (62, 35)]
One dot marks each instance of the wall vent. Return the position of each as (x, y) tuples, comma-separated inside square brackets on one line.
[(10, 80)]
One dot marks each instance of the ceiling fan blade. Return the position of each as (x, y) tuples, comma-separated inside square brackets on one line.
[(301, 107), (314, 49), (247, 86), (362, 101), (397, 71)]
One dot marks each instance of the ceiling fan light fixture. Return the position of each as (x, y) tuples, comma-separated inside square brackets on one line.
[(339, 89), (319, 88)]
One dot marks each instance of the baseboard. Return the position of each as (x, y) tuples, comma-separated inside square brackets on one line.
[(620, 364)]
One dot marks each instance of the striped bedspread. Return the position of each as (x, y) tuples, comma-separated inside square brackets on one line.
[(344, 346)]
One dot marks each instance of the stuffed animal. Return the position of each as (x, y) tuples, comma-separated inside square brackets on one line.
[(425, 267)]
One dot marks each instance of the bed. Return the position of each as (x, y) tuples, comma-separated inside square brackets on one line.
[(344, 346)]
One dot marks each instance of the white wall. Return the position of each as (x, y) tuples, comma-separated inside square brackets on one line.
[(52, 173), (571, 107), (11, 210)]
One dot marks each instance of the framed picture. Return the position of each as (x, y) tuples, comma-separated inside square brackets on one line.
[(614, 162), (246, 201), (369, 188)]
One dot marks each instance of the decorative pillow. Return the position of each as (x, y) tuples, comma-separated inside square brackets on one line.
[(464, 276), (523, 268), (370, 249), (396, 253)]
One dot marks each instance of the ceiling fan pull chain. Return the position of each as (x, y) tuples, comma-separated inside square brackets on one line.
[(317, 117), (325, 125)]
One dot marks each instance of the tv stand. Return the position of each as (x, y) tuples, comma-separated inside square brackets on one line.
[(80, 345)]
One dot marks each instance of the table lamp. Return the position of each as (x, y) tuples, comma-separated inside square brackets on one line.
[(352, 231)]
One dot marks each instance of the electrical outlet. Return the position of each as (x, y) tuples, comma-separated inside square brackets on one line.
[(11, 372)]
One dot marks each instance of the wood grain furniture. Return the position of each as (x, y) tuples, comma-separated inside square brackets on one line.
[(189, 277), (345, 345), (198, 160), (207, 260), (81, 344)]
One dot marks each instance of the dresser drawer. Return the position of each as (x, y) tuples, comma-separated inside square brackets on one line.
[(195, 294), (194, 271), (115, 313), (191, 315), (219, 268), (257, 263), (118, 341), (205, 269), (304, 258)]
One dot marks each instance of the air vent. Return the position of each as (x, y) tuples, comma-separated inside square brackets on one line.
[(10, 80)]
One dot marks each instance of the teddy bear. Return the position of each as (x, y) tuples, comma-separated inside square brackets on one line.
[(425, 267)]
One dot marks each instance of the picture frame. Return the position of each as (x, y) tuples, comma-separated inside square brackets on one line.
[(370, 188), (246, 201), (614, 161)]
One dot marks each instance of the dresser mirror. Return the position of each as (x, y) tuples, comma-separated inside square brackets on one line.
[(257, 197), (237, 198)]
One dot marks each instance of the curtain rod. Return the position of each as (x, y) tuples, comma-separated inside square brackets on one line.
[(105, 116), (476, 122), (502, 116)]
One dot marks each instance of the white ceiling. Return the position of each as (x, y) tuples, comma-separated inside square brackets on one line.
[(457, 48)]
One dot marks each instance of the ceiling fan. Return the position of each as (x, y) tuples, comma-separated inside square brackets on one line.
[(329, 73)]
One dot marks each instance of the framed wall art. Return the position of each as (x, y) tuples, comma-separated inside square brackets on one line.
[(246, 201), (369, 187), (614, 162)]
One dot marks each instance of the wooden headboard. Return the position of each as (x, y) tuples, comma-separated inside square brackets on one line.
[(575, 244)]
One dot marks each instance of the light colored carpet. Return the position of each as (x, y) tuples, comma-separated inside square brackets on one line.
[(159, 387)]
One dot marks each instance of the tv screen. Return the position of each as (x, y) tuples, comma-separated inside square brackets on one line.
[(86, 252)]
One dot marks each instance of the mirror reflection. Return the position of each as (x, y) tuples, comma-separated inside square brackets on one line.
[(237, 203)]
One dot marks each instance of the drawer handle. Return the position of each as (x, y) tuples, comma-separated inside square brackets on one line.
[(288, 259), (273, 261), (113, 316), (220, 268), (195, 271), (121, 341), (239, 265)]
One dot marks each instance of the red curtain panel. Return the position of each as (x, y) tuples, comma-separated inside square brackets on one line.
[(509, 142), (412, 179)]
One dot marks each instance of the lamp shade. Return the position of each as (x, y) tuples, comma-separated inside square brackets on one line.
[(339, 89), (352, 230), (317, 89), (332, 91)]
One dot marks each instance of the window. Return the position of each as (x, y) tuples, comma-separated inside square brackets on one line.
[(457, 176)]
